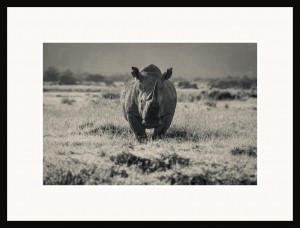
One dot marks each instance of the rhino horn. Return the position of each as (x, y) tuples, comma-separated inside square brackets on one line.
[(153, 95), (155, 92), (136, 73)]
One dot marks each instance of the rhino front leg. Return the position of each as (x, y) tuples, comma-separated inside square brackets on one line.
[(161, 130), (136, 126)]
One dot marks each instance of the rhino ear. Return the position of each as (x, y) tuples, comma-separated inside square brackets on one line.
[(136, 73), (167, 74)]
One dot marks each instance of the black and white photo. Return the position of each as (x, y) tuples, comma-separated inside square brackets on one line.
[(150, 114)]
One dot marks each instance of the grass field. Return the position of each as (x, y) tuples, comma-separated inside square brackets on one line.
[(87, 141)]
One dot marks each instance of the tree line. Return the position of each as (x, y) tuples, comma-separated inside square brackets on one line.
[(52, 74), (243, 82)]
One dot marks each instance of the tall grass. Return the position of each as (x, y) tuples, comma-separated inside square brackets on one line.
[(90, 142)]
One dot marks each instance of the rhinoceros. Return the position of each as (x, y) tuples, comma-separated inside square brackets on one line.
[(148, 101)]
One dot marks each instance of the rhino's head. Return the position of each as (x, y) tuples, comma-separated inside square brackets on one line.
[(150, 93)]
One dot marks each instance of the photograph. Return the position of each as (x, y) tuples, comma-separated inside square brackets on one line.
[(149, 113)]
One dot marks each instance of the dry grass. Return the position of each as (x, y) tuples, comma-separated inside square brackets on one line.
[(89, 142)]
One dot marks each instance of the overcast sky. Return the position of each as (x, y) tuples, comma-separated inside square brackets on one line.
[(189, 60)]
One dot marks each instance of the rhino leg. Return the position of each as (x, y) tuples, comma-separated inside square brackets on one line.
[(136, 126), (161, 130)]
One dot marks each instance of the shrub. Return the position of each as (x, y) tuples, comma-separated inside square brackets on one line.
[(223, 95), (111, 95), (253, 93), (211, 103), (233, 82), (183, 84), (146, 165), (95, 78), (100, 78), (109, 83), (187, 85), (120, 77), (67, 101), (51, 74), (193, 86), (67, 78), (250, 151), (192, 98)]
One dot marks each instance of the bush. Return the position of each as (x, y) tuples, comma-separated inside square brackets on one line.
[(51, 74), (109, 83), (187, 85), (223, 95), (245, 150), (233, 82), (192, 98), (211, 103), (100, 78), (67, 78), (110, 95), (95, 78), (253, 93), (120, 77), (67, 101)]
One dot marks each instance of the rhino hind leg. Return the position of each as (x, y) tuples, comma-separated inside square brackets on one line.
[(161, 130), (136, 126)]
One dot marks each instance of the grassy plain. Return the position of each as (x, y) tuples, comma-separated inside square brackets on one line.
[(87, 141)]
